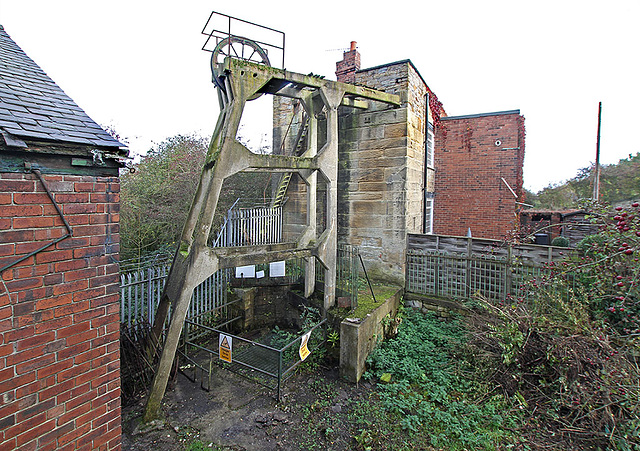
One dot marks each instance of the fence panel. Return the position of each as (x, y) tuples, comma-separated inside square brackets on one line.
[(250, 226), (530, 254), (460, 276)]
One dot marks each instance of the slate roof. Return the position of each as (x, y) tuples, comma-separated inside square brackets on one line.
[(34, 107)]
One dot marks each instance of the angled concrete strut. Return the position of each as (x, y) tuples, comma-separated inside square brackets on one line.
[(194, 261)]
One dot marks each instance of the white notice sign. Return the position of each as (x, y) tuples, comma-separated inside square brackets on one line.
[(277, 269), (246, 272)]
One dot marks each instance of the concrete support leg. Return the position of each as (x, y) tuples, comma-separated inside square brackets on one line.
[(332, 99), (312, 198)]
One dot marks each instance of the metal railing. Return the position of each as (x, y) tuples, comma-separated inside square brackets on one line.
[(140, 293), (250, 226), (264, 364)]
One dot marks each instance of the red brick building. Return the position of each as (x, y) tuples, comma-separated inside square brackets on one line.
[(478, 162), (59, 299)]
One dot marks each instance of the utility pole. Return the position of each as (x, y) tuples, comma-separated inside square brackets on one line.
[(596, 177)]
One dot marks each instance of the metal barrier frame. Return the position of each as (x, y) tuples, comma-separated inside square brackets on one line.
[(281, 375)]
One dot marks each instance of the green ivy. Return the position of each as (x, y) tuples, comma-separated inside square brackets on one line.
[(429, 393)]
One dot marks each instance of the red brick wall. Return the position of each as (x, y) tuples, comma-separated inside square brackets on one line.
[(346, 69), (469, 167), (59, 314)]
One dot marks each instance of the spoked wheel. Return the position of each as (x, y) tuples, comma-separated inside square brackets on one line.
[(240, 48)]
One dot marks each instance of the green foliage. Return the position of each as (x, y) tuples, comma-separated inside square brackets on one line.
[(197, 446), (560, 241), (607, 275), (429, 394), (619, 183), (155, 199), (280, 338), (567, 344), (510, 338), (333, 339)]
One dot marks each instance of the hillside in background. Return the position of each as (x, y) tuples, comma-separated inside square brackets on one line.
[(619, 184)]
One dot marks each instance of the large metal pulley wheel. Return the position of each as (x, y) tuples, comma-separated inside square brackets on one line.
[(235, 47)]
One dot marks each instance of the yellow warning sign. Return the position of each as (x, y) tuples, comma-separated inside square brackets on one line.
[(224, 347), (304, 351)]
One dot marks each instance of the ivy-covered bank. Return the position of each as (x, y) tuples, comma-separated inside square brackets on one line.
[(432, 391)]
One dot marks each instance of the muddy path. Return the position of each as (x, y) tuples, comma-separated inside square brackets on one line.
[(317, 410)]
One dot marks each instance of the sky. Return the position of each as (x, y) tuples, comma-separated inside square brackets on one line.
[(137, 65)]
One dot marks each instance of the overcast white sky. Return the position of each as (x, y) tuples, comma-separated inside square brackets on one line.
[(138, 65)]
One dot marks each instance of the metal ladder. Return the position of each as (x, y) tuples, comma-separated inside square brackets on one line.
[(299, 149)]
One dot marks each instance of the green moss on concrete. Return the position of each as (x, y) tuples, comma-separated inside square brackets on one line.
[(366, 303)]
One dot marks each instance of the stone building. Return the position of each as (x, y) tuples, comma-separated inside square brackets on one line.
[(59, 288), (413, 169)]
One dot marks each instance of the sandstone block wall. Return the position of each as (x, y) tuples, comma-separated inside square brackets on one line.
[(381, 170), (59, 314)]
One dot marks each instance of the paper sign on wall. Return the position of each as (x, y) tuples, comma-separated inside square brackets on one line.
[(246, 272), (224, 347), (277, 269)]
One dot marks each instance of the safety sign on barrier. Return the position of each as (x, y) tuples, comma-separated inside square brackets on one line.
[(224, 345), (304, 350)]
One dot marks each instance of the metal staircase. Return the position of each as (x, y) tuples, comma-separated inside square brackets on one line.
[(298, 150)]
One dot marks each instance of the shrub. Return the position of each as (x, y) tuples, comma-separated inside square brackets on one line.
[(560, 241), (568, 344)]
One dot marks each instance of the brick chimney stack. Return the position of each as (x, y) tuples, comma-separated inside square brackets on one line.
[(346, 69)]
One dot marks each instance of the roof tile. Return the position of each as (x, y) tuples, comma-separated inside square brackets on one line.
[(33, 106)]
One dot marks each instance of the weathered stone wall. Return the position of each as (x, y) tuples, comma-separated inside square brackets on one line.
[(473, 155), (381, 179), (266, 307), (59, 314), (381, 176), (358, 338)]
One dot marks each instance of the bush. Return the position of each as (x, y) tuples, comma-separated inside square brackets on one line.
[(560, 241), (568, 344), (155, 199)]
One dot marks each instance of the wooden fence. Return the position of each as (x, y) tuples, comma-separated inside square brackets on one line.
[(529, 254), (461, 268)]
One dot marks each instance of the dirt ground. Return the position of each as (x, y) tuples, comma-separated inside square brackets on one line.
[(317, 410)]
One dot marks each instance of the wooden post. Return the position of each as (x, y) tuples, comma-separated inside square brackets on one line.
[(596, 178)]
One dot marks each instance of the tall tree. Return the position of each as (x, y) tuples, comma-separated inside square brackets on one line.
[(619, 183)]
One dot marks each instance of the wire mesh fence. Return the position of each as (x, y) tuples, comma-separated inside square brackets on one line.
[(347, 272)]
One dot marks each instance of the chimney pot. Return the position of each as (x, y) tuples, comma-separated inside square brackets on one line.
[(353, 45)]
